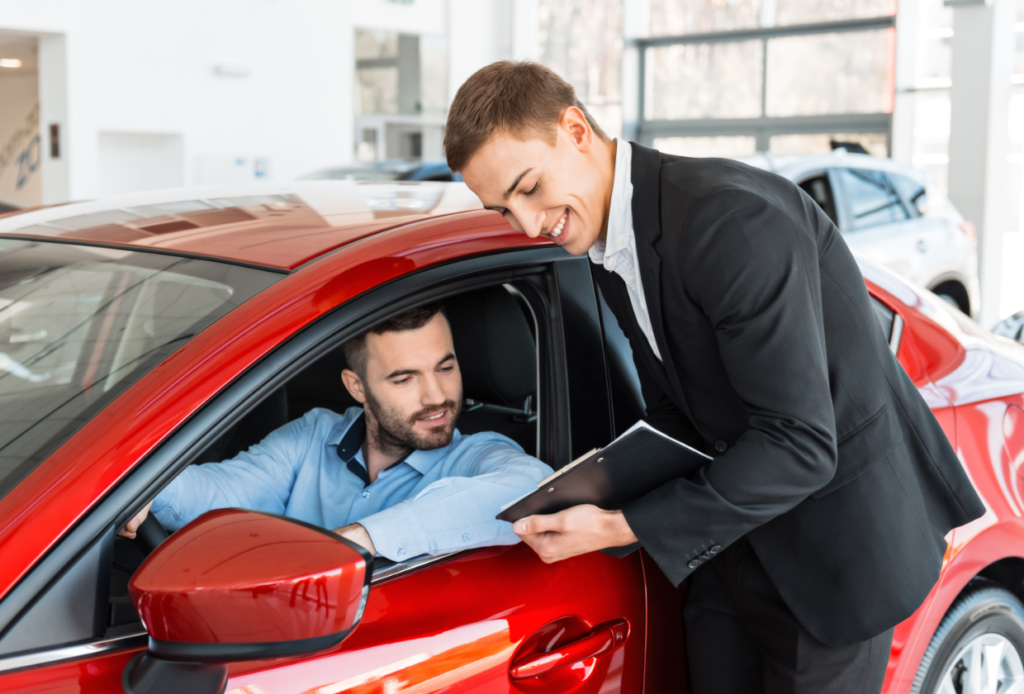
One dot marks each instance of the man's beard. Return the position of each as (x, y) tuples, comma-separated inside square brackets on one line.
[(395, 433)]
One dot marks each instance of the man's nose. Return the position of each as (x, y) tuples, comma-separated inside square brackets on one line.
[(433, 393), (533, 223)]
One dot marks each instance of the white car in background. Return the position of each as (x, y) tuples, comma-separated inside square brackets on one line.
[(891, 214)]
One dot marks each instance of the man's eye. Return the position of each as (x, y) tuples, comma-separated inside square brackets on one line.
[(401, 381), (447, 369)]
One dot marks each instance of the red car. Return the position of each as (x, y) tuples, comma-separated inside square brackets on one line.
[(142, 334)]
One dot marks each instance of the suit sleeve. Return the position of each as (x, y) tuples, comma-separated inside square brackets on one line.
[(754, 273)]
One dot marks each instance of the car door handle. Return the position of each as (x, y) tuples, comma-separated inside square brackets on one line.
[(601, 639)]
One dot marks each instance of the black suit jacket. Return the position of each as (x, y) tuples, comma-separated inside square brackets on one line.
[(826, 457)]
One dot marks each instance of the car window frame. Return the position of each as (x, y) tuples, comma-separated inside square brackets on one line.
[(238, 398), (825, 173)]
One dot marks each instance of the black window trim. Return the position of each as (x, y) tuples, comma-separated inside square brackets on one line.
[(238, 397)]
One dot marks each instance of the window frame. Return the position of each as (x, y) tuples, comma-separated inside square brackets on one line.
[(238, 398)]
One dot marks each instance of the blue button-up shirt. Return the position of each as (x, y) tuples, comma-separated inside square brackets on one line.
[(312, 469)]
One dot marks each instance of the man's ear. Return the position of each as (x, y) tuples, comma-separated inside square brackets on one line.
[(575, 125), (354, 385)]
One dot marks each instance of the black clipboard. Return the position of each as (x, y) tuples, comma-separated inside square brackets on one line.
[(637, 462)]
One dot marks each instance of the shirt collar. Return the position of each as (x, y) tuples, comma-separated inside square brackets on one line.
[(349, 436), (620, 213)]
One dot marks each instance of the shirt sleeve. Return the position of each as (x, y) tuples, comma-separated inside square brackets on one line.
[(260, 478), (458, 512)]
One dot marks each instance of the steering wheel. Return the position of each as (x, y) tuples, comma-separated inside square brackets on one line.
[(150, 534)]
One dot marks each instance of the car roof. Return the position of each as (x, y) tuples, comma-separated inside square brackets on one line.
[(793, 165), (280, 225)]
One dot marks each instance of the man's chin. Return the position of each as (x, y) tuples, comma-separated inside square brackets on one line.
[(431, 442)]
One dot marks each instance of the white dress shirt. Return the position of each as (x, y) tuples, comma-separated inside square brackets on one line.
[(617, 251)]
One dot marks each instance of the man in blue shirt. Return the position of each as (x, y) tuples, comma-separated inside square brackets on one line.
[(394, 476)]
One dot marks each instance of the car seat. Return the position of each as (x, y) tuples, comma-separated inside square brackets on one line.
[(498, 359)]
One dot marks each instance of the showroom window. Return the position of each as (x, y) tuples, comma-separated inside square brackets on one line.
[(731, 78), (581, 40), (401, 95)]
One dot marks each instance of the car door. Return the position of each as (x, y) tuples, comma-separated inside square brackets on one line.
[(875, 222), (458, 623), (463, 623)]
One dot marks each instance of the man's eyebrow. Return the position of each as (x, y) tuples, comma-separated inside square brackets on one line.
[(515, 183), (407, 372), (396, 374)]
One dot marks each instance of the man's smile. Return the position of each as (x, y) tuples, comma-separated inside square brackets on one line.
[(437, 419), (558, 232)]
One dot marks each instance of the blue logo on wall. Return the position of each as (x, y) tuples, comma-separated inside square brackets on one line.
[(28, 163)]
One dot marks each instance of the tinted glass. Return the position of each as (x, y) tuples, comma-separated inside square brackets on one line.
[(79, 324), (821, 192), (885, 317), (870, 198), (913, 192)]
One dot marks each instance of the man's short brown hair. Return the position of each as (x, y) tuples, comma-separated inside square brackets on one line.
[(507, 97), (413, 319)]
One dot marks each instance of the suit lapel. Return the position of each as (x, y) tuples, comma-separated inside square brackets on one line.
[(646, 207)]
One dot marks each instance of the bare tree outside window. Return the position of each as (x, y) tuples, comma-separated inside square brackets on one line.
[(581, 40), (831, 73), (673, 18)]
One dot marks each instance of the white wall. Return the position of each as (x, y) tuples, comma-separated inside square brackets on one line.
[(148, 68), (20, 148)]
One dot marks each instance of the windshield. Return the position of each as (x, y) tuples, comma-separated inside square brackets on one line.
[(79, 324)]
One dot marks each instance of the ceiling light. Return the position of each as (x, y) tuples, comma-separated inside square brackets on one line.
[(10, 62)]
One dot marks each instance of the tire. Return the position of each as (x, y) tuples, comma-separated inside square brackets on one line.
[(978, 647)]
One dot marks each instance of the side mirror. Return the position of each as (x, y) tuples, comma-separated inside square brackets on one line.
[(241, 585)]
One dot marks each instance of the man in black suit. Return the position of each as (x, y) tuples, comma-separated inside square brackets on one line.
[(820, 523)]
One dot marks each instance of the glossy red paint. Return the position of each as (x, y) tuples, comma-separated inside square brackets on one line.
[(47, 503), (471, 620), (600, 640), (311, 218), (234, 576)]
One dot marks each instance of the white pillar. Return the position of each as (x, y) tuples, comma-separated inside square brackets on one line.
[(636, 22), (901, 147), (983, 46), (53, 111)]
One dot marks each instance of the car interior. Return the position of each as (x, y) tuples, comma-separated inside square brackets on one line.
[(494, 332)]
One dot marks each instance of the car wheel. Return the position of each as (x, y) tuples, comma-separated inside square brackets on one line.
[(978, 646)]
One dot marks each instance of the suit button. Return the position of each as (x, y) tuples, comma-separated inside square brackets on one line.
[(694, 564), (721, 446), (715, 550)]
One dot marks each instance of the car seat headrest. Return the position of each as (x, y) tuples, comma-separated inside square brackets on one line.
[(495, 348)]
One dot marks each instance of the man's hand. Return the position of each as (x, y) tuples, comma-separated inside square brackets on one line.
[(132, 526), (357, 533), (574, 531)]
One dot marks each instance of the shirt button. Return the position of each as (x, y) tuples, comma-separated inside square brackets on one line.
[(721, 446), (465, 538), (631, 279), (366, 495)]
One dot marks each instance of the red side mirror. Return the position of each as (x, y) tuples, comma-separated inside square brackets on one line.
[(241, 585)]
